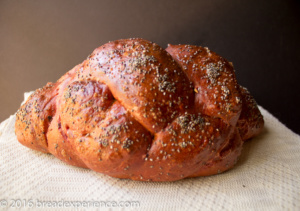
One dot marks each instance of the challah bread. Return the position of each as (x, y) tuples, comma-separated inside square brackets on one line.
[(134, 110)]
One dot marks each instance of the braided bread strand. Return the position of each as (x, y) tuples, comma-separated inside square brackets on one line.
[(134, 110)]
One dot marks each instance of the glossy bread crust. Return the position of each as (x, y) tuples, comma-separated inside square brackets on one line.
[(134, 110)]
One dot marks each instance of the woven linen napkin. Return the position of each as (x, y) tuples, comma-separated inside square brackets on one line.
[(266, 177)]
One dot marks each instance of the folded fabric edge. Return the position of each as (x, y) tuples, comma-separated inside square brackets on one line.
[(277, 121)]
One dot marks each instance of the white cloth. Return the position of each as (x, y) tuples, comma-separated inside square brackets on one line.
[(267, 177)]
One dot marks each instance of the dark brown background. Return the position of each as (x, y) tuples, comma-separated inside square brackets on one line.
[(41, 40)]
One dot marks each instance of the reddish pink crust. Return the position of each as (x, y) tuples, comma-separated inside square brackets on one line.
[(134, 110)]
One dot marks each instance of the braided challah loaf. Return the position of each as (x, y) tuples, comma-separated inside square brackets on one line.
[(134, 110)]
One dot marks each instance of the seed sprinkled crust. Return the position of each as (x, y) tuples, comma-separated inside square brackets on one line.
[(134, 110)]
